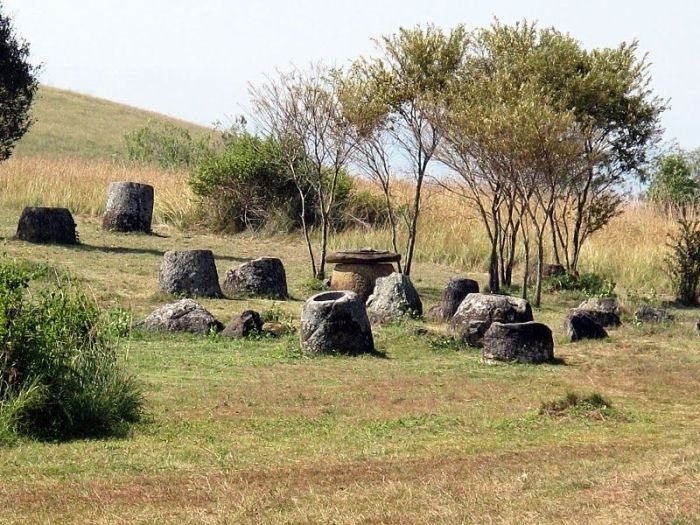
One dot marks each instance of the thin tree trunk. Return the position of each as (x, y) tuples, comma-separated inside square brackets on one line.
[(307, 237), (413, 229)]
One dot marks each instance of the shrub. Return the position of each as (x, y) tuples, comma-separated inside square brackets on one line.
[(674, 183), (589, 284), (59, 373), (683, 261), (593, 406), (166, 145)]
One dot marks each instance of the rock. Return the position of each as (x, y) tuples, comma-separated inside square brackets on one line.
[(243, 325), (648, 314), (477, 311), (185, 315), (264, 277), (359, 278), (454, 292), (583, 324), (552, 270), (47, 226), (393, 298), (129, 207), (191, 273), (605, 310), (520, 342), (336, 322)]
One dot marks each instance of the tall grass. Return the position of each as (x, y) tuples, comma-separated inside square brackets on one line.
[(81, 186), (629, 251)]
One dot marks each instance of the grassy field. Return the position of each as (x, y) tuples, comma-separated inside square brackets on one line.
[(71, 124), (254, 432)]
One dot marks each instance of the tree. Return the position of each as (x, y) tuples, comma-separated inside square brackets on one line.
[(301, 111), (408, 87), (18, 85), (675, 181)]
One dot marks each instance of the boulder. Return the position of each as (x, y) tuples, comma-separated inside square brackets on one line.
[(244, 325), (393, 298), (47, 226), (454, 292), (519, 342), (336, 322), (264, 277), (605, 310), (477, 311), (191, 273), (648, 314), (359, 278), (129, 207), (583, 324), (185, 315)]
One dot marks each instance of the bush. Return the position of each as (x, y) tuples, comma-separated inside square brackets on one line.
[(683, 261), (589, 284), (59, 375), (166, 145), (246, 186)]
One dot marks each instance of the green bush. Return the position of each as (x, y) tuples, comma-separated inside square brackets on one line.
[(683, 261), (59, 372), (166, 145), (589, 284)]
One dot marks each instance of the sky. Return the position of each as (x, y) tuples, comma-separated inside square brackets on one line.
[(194, 59)]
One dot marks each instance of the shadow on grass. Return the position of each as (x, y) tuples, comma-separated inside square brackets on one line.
[(145, 251)]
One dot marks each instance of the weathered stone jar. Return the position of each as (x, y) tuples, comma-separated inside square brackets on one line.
[(129, 207), (47, 226), (191, 273), (336, 322), (358, 270)]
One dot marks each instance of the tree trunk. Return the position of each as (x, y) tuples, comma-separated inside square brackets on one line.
[(412, 230)]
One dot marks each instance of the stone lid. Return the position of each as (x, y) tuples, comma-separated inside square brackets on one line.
[(363, 256)]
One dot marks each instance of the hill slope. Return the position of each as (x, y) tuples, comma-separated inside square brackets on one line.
[(71, 124)]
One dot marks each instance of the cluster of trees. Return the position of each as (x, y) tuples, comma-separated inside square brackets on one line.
[(530, 128)]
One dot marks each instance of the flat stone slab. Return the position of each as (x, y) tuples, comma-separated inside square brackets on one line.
[(365, 256)]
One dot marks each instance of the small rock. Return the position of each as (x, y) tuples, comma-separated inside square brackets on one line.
[(477, 311), (185, 315), (519, 342), (394, 297), (583, 324), (263, 277), (648, 314), (244, 325)]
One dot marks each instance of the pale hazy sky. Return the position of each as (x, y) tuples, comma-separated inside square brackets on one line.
[(194, 59)]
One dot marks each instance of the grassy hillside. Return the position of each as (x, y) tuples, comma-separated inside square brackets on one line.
[(71, 124)]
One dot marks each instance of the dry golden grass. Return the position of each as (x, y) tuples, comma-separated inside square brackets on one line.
[(81, 186), (629, 251)]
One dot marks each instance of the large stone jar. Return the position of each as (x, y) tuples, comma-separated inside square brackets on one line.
[(191, 273), (47, 226), (336, 322), (129, 207), (359, 270)]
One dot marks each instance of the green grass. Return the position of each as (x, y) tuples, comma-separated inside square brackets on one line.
[(253, 432), (71, 124)]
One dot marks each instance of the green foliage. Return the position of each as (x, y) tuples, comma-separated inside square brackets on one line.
[(674, 183), (246, 186), (59, 375), (683, 260), (589, 284), (18, 85), (166, 145)]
